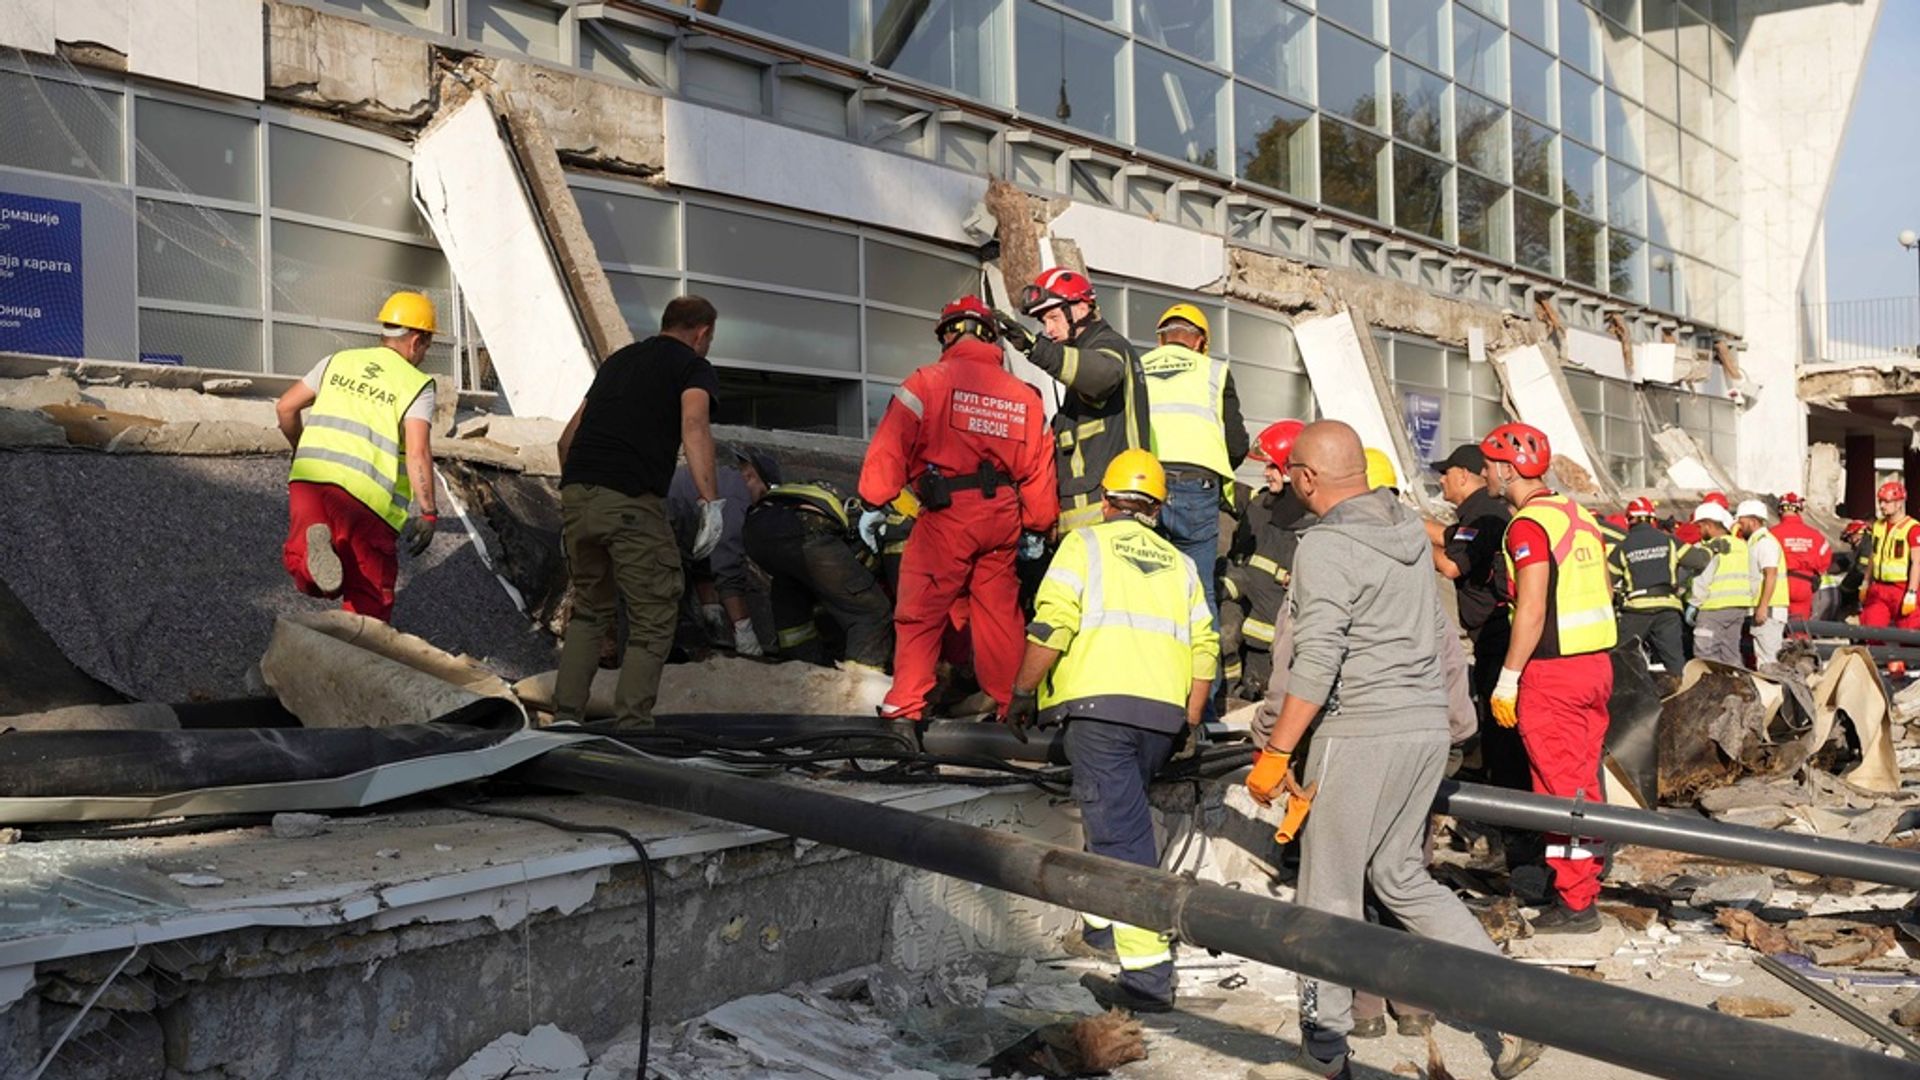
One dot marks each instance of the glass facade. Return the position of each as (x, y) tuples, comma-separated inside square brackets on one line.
[(1445, 399)]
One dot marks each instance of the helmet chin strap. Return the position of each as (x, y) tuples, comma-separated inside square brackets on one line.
[(1080, 325)]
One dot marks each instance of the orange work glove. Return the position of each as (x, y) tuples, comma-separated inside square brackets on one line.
[(1271, 770), (1908, 603), (1505, 699)]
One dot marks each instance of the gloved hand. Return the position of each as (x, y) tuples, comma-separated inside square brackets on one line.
[(745, 641), (1022, 710), (870, 524), (417, 533), (1299, 801), (706, 536), (1033, 547), (1187, 742), (714, 618), (1271, 772), (1505, 699), (1013, 332), (1908, 603)]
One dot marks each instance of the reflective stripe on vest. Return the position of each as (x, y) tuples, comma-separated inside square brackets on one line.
[(812, 497), (1732, 584), (352, 436), (1270, 568), (1648, 565), (1186, 400), (1579, 594), (1891, 554), (1779, 598)]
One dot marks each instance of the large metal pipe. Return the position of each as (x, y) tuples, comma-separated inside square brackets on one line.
[(1850, 632), (1635, 1030)]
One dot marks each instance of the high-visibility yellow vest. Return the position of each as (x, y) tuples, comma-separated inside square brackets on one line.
[(816, 496), (354, 436), (1891, 555), (1732, 584), (1186, 403), (1580, 615), (1779, 598), (1126, 611)]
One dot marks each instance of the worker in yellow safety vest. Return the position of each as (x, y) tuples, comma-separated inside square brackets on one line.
[(1122, 650), (362, 462), (1892, 593), (1557, 676), (1767, 566), (1722, 592)]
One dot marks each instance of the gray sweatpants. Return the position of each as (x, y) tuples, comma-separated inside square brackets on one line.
[(1368, 827), (1716, 635)]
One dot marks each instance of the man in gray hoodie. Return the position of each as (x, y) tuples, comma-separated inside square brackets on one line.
[(1367, 621)]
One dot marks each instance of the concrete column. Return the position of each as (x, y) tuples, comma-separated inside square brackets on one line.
[(1860, 477), (1910, 475)]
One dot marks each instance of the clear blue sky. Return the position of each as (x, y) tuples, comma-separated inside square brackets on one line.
[(1876, 189)]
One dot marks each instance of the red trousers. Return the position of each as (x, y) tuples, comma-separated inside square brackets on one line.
[(1563, 725), (361, 538), (964, 552), (1882, 607)]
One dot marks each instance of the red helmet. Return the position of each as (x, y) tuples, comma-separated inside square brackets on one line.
[(1892, 489), (1792, 503), (1055, 286), (1522, 446), (1718, 498), (1276, 443), (971, 315), (1641, 507), (1854, 529)]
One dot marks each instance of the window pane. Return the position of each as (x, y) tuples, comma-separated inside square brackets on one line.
[(185, 149), (642, 299), (1419, 365), (1176, 109), (1626, 266), (60, 127), (1273, 143), (951, 43), (1726, 124), (1528, 19), (1579, 106), (630, 230), (207, 341), (1108, 10), (1663, 149), (1145, 308), (1349, 76), (296, 349), (198, 255), (1419, 106), (1416, 31), (1657, 18), (1623, 130), (1479, 56), (772, 329), (1085, 95), (1588, 397), (776, 252), (1256, 339), (1579, 32), (1350, 168), (1696, 166), (342, 181), (1662, 89), (1483, 220), (1268, 394), (720, 80), (815, 106), (338, 275), (897, 344), (1664, 210), (521, 25), (1626, 198), (1419, 193), (1580, 178), (1721, 49), (1583, 250), (1273, 44), (1621, 55), (418, 12), (914, 279), (1532, 233), (1481, 134), (619, 53), (1662, 267), (1183, 25), (1624, 12), (1532, 82), (823, 24), (1691, 35), (1355, 15), (1533, 157), (1492, 9)]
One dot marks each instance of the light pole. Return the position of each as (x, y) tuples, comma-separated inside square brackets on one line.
[(1663, 265), (1911, 241)]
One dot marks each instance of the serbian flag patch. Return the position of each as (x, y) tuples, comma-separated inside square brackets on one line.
[(1523, 551)]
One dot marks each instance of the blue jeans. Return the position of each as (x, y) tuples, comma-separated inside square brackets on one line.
[(1112, 764), (1191, 518)]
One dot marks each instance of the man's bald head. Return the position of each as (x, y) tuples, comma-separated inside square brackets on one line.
[(1332, 450)]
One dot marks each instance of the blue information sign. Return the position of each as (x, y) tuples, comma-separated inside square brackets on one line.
[(1423, 423), (42, 291)]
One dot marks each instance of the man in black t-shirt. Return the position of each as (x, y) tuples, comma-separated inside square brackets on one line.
[(617, 457)]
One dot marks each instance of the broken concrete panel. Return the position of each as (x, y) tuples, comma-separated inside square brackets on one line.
[(1826, 478), (725, 684), (1395, 305), (210, 437), (1688, 467), (1345, 386), (479, 452), (1540, 398), (107, 23), (1277, 284), (87, 425), (180, 405), (335, 669), (614, 127), (54, 388), (333, 63), (30, 427), (491, 233), (1130, 246), (1018, 225)]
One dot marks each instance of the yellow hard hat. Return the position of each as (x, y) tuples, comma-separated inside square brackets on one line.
[(906, 504), (1186, 313), (409, 309), (1136, 472), (1380, 472)]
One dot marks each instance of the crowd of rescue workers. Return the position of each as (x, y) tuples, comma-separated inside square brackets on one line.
[(1104, 571)]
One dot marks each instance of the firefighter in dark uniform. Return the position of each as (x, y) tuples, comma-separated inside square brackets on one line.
[(1646, 577), (1262, 557), (801, 536)]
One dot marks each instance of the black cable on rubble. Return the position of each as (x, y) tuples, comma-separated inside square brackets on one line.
[(646, 871)]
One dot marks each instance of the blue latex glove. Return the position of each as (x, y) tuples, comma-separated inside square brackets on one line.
[(870, 524)]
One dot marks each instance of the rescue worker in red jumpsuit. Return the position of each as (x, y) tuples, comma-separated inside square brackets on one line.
[(1558, 675), (972, 441), (1809, 555), (1892, 594)]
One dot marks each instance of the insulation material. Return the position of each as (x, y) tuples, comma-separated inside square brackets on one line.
[(1541, 401), (726, 684), (333, 669), (1343, 386), (1113, 242), (1851, 684), (1689, 467), (470, 190), (1599, 353)]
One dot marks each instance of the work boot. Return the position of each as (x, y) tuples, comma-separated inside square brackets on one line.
[(1075, 944), (1372, 1027), (1561, 919), (1304, 1067), (1115, 994), (1516, 1056), (323, 563), (1414, 1024)]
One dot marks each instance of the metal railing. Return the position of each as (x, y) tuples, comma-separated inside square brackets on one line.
[(1856, 331)]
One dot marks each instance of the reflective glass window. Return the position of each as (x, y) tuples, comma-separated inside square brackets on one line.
[(952, 43), (1579, 36), (1662, 267), (1622, 63), (297, 348), (1626, 198), (1350, 168), (1480, 129), (1492, 9), (642, 299), (1696, 106), (1624, 138), (1188, 26), (1273, 141), (1626, 266), (1533, 157), (526, 26), (897, 344), (420, 13), (629, 230), (1356, 15), (708, 76), (1417, 33), (828, 25), (1259, 339), (1176, 108), (1273, 44), (1696, 165), (1657, 21), (1662, 88), (1479, 55), (1419, 106), (199, 255), (1579, 106), (1529, 19), (1726, 124), (1533, 82), (1269, 395), (60, 127), (208, 341), (774, 329), (1663, 214), (620, 53), (1068, 70), (195, 150), (1726, 181), (1533, 232), (1350, 72), (1580, 177), (1483, 215), (1663, 149), (337, 275), (1624, 12), (343, 181), (1720, 47), (1108, 10), (1691, 36), (1583, 249), (1144, 309), (761, 249), (1419, 193), (915, 279)]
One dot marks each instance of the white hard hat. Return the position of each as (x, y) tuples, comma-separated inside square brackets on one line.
[(1752, 508), (1713, 512)]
